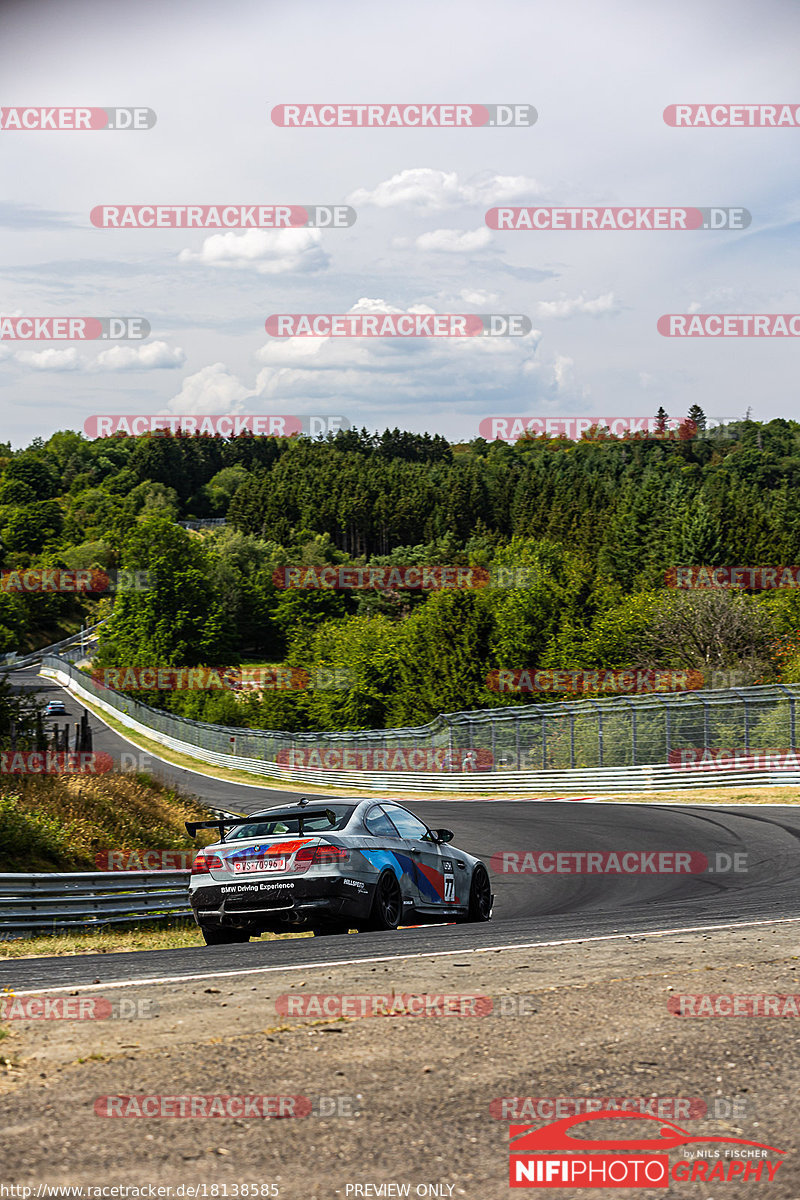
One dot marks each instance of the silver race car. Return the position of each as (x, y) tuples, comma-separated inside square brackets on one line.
[(331, 866)]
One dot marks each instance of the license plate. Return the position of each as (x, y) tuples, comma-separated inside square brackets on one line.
[(246, 866)]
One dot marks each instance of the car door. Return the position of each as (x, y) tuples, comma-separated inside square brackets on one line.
[(437, 878), (390, 849)]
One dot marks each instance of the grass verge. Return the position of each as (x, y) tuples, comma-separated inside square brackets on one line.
[(61, 822), (174, 935)]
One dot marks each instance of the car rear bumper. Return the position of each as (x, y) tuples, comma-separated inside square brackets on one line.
[(272, 904)]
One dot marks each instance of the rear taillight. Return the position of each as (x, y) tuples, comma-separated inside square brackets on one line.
[(317, 856), (206, 862), (331, 854)]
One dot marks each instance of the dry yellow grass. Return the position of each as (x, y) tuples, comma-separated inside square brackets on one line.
[(170, 936), (60, 822)]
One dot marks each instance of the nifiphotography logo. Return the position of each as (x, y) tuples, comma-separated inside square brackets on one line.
[(589, 1160)]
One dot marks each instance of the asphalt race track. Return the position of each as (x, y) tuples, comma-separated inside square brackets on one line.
[(529, 908)]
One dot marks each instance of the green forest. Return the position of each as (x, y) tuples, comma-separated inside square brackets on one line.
[(596, 524)]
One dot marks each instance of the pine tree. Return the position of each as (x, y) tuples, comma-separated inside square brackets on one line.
[(701, 543)]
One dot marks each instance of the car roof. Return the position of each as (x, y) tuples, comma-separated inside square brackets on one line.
[(296, 810), (319, 806)]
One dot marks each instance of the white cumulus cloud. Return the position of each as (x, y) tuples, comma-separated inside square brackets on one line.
[(50, 360), (266, 251), (461, 371), (433, 189), (150, 357), (455, 241), (213, 389), (477, 297), (569, 308)]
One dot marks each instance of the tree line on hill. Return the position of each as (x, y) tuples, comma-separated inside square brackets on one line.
[(596, 523)]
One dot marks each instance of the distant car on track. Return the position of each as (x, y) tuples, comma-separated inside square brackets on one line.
[(331, 866), (55, 709)]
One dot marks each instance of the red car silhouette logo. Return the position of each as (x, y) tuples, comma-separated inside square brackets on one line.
[(527, 1138)]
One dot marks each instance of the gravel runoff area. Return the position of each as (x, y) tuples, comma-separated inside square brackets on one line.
[(404, 1099)]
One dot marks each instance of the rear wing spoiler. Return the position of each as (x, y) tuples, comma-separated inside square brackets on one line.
[(221, 823)]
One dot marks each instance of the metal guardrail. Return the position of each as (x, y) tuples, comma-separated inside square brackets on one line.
[(253, 751), (89, 899), (622, 744)]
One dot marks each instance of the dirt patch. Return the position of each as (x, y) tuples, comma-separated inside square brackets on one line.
[(416, 1097)]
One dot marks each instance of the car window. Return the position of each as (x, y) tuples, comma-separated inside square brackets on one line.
[(409, 825), (379, 824), (290, 822)]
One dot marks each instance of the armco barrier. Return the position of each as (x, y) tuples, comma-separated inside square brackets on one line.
[(255, 751), (49, 901)]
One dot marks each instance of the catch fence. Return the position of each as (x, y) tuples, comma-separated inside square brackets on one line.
[(631, 742)]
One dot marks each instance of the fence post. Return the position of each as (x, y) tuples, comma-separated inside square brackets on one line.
[(746, 725), (599, 730), (792, 715), (571, 736), (600, 737)]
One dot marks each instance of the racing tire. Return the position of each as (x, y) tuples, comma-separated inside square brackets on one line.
[(223, 936), (481, 899), (387, 904)]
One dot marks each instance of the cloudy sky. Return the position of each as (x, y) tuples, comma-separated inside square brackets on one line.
[(599, 76)]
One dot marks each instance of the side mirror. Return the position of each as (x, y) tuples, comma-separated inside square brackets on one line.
[(443, 835)]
